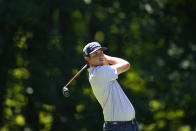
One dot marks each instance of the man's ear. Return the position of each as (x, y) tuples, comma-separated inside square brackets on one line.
[(86, 58)]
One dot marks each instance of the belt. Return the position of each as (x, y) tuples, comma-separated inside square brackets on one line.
[(132, 122)]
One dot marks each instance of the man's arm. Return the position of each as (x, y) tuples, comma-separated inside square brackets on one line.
[(120, 64)]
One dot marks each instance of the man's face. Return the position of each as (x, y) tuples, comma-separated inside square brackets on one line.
[(96, 58)]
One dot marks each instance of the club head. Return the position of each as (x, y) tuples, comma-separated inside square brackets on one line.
[(66, 92)]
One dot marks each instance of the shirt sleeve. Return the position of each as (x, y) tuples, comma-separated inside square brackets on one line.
[(108, 73)]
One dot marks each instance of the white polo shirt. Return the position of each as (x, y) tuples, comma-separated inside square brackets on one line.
[(115, 104)]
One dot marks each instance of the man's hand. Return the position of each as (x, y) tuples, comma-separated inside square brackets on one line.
[(120, 64), (105, 60)]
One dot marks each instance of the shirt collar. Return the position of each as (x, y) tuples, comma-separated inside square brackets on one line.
[(89, 69)]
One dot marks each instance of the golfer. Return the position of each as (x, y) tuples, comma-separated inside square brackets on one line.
[(119, 114)]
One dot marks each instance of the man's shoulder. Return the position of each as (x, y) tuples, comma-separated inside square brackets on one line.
[(97, 73), (98, 70), (101, 69), (103, 73)]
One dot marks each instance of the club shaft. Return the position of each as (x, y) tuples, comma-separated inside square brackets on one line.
[(76, 75)]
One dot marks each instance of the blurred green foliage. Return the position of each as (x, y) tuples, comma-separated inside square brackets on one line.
[(41, 46)]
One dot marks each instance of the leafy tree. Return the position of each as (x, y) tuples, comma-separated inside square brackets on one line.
[(41, 46)]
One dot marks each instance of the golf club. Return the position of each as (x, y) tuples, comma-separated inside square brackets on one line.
[(66, 92)]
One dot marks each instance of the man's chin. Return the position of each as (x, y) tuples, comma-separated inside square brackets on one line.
[(101, 64)]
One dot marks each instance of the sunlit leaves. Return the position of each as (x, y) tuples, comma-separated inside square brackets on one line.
[(175, 51), (21, 38), (19, 99), (170, 115), (80, 107), (175, 114), (89, 92), (19, 73), (8, 113), (20, 61), (86, 91), (99, 36), (20, 120), (46, 119), (148, 8), (161, 118), (150, 127), (15, 99), (49, 107), (87, 1), (159, 115), (184, 128), (161, 124), (134, 82), (156, 105)]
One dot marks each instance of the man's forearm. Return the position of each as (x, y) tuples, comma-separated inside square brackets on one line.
[(114, 60), (121, 64)]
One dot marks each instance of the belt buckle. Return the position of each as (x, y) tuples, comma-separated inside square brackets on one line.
[(114, 123)]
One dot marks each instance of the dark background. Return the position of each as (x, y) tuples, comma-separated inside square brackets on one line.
[(41, 44)]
